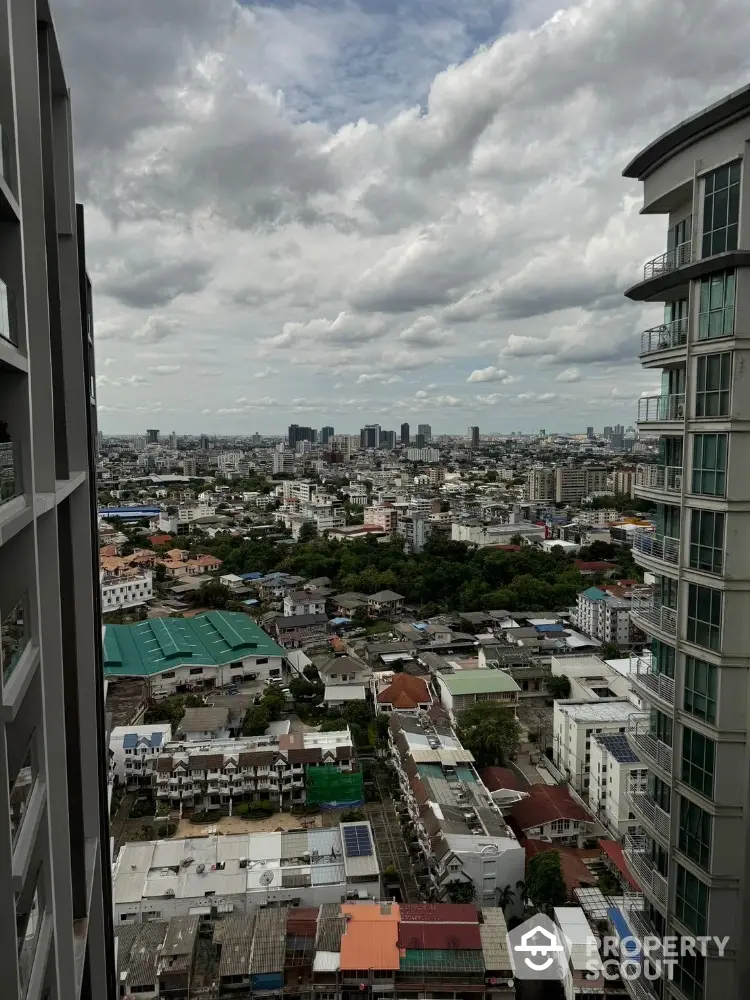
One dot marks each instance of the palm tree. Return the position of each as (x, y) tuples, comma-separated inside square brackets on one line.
[(505, 897)]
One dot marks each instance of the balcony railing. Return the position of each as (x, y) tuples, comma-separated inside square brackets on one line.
[(10, 469), (14, 637), (667, 478), (646, 608), (645, 676), (646, 808), (661, 338), (644, 868), (648, 744), (660, 547), (662, 408), (676, 257)]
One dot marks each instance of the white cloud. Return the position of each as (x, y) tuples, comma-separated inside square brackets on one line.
[(569, 375), (490, 374), (164, 369), (266, 372)]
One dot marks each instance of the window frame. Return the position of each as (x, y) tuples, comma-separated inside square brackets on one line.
[(701, 482), (713, 388), (721, 201), (692, 913), (695, 836), (702, 631), (708, 558), (701, 700), (700, 775), (717, 295)]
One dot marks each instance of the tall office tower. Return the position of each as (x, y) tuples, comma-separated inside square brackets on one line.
[(691, 853), (589, 433), (152, 436), (426, 430), (56, 935), (388, 440), (326, 434), (419, 440), (369, 436), (404, 433), (297, 433), (173, 440), (204, 443), (474, 437), (607, 433)]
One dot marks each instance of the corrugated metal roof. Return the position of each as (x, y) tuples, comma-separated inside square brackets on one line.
[(494, 934), (235, 935), (181, 936), (446, 960), (453, 913), (439, 936), (370, 939), (331, 925), (144, 954), (269, 942), (327, 961)]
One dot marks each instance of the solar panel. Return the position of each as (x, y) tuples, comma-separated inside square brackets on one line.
[(357, 841), (617, 744)]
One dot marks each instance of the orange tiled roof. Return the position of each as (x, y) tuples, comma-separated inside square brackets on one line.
[(405, 691), (370, 939)]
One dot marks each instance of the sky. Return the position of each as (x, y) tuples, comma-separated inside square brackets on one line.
[(339, 213)]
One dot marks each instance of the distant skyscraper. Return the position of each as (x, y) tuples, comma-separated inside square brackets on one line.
[(326, 434), (426, 430), (590, 433), (419, 440), (404, 433), (204, 442), (297, 433), (173, 440), (388, 439), (474, 436), (607, 433), (152, 436), (369, 436)]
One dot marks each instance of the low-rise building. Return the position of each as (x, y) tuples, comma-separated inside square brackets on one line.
[(298, 631), (208, 723), (125, 588), (155, 958), (575, 723), (304, 602), (181, 654), (385, 602), (460, 830), (591, 678), (465, 688), (242, 873), (405, 694), (549, 812), (130, 747), (415, 529), (615, 769), (605, 617), (384, 517)]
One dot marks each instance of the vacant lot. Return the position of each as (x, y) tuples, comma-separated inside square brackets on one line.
[(236, 824)]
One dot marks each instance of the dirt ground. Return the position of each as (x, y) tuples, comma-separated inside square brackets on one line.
[(236, 824)]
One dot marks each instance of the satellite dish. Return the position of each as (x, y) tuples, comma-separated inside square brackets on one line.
[(266, 878)]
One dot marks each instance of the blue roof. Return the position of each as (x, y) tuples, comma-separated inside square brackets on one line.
[(557, 627), (420, 625), (339, 621), (251, 576), (156, 739), (129, 741), (250, 601), (627, 938)]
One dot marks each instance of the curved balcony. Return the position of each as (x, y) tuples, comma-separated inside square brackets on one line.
[(649, 814), (662, 409), (644, 869), (661, 548), (651, 684), (648, 745), (659, 478), (664, 337), (676, 257), (648, 614)]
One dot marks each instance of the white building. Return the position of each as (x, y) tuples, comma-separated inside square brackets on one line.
[(384, 517), (426, 455), (592, 679), (615, 767), (160, 879), (415, 530), (132, 749), (477, 533), (604, 616), (127, 588), (465, 688), (574, 725), (300, 490), (304, 602)]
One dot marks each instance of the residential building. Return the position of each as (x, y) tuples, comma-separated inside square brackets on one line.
[(56, 924), (283, 461), (306, 868), (299, 491), (474, 437), (615, 768), (158, 954), (425, 430), (210, 650), (415, 531), (405, 434), (297, 434), (478, 533), (461, 832), (326, 434), (465, 688), (623, 481), (573, 483), (549, 812), (369, 436), (419, 441), (694, 740), (385, 602), (422, 454), (605, 617), (125, 588), (575, 722), (304, 602), (211, 722), (405, 694), (386, 518), (591, 679), (298, 631), (541, 484), (131, 746)]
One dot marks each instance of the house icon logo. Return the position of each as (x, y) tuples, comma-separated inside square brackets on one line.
[(536, 949)]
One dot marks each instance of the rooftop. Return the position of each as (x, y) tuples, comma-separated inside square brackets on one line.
[(200, 720), (545, 803), (209, 639), (604, 710), (618, 746), (479, 682), (405, 692)]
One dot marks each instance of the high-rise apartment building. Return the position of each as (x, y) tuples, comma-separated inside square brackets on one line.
[(426, 430), (204, 442), (419, 440), (474, 437), (326, 434), (56, 936), (297, 433), (541, 484), (404, 433), (369, 436), (589, 433), (152, 435), (691, 855)]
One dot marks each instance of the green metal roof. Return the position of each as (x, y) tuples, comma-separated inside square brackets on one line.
[(479, 682), (594, 594), (207, 640)]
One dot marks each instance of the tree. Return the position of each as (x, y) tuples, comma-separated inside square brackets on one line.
[(461, 892), (609, 651), (210, 594), (360, 616), (256, 721), (490, 731), (273, 702), (545, 885), (305, 691), (558, 685), (307, 532), (172, 709), (382, 727), (311, 672)]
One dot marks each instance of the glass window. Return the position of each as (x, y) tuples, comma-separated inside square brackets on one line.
[(704, 616), (21, 789), (29, 911), (14, 637), (690, 974), (691, 901), (695, 833), (700, 688), (712, 385), (721, 210), (698, 754), (709, 464), (659, 791), (661, 726), (663, 657), (716, 306), (707, 540)]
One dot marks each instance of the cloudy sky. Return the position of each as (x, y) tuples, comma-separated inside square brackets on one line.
[(347, 212)]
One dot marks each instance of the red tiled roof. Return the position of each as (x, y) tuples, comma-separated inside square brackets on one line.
[(503, 777), (582, 564), (405, 691), (434, 936), (160, 539), (575, 873), (452, 913), (546, 803), (614, 852)]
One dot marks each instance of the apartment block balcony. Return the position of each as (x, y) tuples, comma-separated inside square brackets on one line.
[(11, 485), (664, 337), (649, 682), (644, 869), (662, 478), (648, 745), (671, 260), (661, 409), (660, 547), (647, 613)]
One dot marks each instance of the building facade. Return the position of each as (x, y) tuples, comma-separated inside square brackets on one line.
[(129, 588), (695, 814), (56, 914)]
